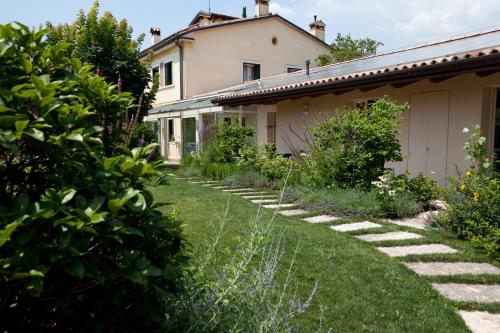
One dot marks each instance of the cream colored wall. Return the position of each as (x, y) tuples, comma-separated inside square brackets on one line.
[(215, 59), (173, 92), (467, 106)]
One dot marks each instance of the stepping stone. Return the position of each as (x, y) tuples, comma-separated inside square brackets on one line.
[(390, 236), (265, 201), (481, 322), (209, 185), (171, 175), (452, 268), (280, 206), (196, 182), (294, 212), (322, 219), (401, 251), (249, 193), (259, 196), (419, 222), (355, 226), (461, 292), (238, 190)]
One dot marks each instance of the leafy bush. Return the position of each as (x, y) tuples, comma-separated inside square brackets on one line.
[(144, 134), (225, 142), (424, 190), (351, 149), (473, 199), (83, 246), (250, 178)]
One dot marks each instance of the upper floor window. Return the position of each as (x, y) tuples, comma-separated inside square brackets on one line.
[(156, 71), (168, 74), (364, 103), (293, 69), (251, 71)]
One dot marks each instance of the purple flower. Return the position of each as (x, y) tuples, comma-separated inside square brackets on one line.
[(120, 83), (142, 141)]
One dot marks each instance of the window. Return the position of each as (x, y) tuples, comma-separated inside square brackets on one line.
[(251, 72), (364, 103), (171, 131), (168, 74), (156, 71), (293, 69)]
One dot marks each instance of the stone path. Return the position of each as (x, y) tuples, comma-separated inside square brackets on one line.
[(478, 322), (355, 226), (322, 219), (390, 236), (401, 251), (294, 212), (461, 292), (452, 268), (481, 322)]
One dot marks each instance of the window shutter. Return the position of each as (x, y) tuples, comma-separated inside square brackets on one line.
[(256, 72), (168, 74)]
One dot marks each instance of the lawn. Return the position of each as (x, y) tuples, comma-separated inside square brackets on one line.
[(360, 289)]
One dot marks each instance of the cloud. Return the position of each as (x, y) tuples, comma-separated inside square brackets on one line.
[(275, 7)]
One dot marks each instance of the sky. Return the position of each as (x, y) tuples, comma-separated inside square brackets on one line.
[(396, 23)]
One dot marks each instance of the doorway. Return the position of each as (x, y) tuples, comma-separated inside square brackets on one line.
[(189, 144), (428, 137)]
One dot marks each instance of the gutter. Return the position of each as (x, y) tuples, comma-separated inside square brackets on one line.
[(181, 64)]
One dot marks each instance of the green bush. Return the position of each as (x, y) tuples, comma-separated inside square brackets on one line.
[(424, 190), (351, 149), (250, 178), (225, 142), (473, 199), (394, 196), (83, 246), (144, 134)]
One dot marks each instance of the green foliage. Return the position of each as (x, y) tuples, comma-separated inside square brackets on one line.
[(83, 246), (351, 149), (473, 199), (109, 46), (225, 142), (346, 48), (424, 190), (144, 134)]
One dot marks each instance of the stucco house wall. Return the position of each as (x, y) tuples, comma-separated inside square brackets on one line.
[(449, 106), (170, 93), (215, 59)]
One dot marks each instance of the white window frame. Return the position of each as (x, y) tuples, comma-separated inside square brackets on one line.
[(250, 62)]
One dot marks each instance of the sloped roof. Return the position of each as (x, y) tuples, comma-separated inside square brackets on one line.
[(457, 50), (185, 32), (210, 15)]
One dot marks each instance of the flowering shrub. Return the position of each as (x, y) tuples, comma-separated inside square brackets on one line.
[(225, 142), (394, 196), (473, 198)]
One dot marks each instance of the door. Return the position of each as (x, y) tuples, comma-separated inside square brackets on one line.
[(271, 127), (188, 136), (173, 139), (428, 137)]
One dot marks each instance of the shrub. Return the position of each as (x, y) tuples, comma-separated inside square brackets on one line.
[(83, 247), (473, 199), (225, 142), (351, 149), (424, 190), (250, 178), (144, 134)]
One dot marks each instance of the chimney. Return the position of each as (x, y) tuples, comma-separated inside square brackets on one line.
[(308, 67), (317, 28), (155, 35), (244, 14), (261, 7)]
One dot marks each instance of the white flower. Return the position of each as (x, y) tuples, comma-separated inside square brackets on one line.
[(433, 172), (381, 192), (465, 130), (392, 193)]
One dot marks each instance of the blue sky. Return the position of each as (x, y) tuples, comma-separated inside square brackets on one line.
[(396, 23)]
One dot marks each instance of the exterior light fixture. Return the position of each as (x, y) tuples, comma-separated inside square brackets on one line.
[(306, 108)]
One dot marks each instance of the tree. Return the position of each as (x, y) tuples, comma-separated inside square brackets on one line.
[(346, 48), (110, 47), (83, 246)]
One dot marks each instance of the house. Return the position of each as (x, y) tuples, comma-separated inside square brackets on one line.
[(450, 84), (217, 51)]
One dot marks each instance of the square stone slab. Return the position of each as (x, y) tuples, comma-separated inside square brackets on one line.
[(171, 175), (220, 187), (265, 201), (238, 190), (259, 196), (399, 235), (481, 322), (294, 212), (355, 226), (401, 251), (209, 185), (418, 222), (280, 206), (196, 182), (322, 219), (461, 292), (451, 268), (249, 193)]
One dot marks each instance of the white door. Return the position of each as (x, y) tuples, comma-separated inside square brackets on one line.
[(173, 139), (428, 139)]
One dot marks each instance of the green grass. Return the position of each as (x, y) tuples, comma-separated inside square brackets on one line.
[(360, 289)]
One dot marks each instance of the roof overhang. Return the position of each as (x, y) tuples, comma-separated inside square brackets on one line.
[(398, 77)]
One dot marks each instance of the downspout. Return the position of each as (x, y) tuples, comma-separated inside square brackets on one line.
[(181, 64)]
